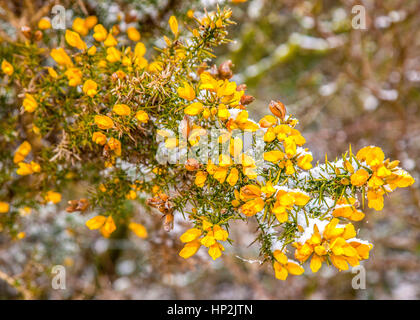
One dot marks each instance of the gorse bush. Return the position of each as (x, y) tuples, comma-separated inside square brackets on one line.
[(95, 111)]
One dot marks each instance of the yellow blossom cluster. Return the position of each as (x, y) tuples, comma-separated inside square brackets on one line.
[(112, 115)]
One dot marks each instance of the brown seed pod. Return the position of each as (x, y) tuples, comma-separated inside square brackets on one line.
[(225, 71), (241, 87), (77, 205), (245, 99), (129, 18), (168, 223), (192, 165), (27, 32), (162, 203), (38, 35), (278, 109)]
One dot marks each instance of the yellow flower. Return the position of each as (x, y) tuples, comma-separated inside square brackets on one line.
[(304, 161), (300, 198), (282, 266), (200, 178), (53, 197), (223, 112), (233, 176), (21, 235), (373, 156), (190, 235), (289, 147), (156, 66), (109, 227), (44, 24), (91, 21), (115, 145), (268, 189), (219, 233), (29, 103), (52, 73), (215, 250), (349, 212), (220, 174), (100, 33), (186, 92), (95, 222), (142, 116), (376, 199), (79, 26), (74, 75), (22, 151), (249, 192), (403, 179), (190, 249), (7, 68), (91, 51), (334, 244), (139, 50), (4, 207), (194, 109), (252, 207), (90, 88), (104, 122), (131, 195), (274, 156), (106, 225), (133, 34), (113, 54), (242, 122), (138, 229), (268, 121), (99, 138), (121, 109), (74, 40), (35, 166), (359, 178), (190, 13), (173, 24), (24, 169), (110, 41), (60, 56)]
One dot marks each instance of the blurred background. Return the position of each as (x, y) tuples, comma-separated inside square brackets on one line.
[(345, 85)]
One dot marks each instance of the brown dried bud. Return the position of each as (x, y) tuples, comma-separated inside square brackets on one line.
[(162, 203), (278, 109), (241, 87), (130, 18), (27, 32), (168, 223), (192, 165), (225, 71), (77, 205), (38, 35), (245, 99)]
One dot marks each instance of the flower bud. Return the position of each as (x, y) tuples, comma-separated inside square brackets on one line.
[(224, 70), (38, 35), (27, 32), (278, 109)]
